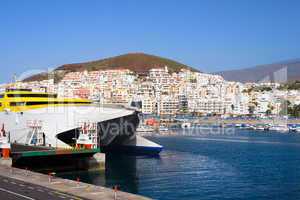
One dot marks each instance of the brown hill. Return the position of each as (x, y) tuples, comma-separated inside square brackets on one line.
[(137, 62)]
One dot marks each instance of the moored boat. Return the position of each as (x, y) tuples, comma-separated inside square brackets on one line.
[(186, 125), (144, 130), (163, 129), (279, 128)]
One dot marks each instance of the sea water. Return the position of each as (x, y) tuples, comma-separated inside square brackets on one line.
[(244, 165)]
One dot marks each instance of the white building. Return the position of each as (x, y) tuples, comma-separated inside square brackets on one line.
[(148, 105), (168, 105)]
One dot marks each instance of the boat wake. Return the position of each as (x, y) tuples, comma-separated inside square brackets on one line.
[(245, 141)]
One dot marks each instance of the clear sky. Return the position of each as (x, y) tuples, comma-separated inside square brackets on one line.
[(210, 35)]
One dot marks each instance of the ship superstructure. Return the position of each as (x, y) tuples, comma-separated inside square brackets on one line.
[(20, 100)]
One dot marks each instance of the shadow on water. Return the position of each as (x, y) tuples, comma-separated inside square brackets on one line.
[(121, 170), (55, 164), (124, 171)]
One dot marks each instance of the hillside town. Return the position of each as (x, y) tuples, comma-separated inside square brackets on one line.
[(160, 92)]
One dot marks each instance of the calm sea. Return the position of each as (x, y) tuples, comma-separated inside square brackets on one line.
[(246, 165)]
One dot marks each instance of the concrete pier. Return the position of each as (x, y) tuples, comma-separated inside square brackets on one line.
[(66, 189), (6, 162)]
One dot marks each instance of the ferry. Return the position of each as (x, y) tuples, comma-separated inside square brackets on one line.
[(41, 118)]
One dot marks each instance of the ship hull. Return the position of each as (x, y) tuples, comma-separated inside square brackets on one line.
[(135, 146)]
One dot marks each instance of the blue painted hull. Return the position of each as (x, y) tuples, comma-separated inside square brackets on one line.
[(135, 150)]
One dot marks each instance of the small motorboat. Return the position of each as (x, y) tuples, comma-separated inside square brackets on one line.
[(260, 127), (186, 125), (144, 129), (163, 129), (279, 128)]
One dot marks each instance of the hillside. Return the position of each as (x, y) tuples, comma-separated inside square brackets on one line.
[(275, 71), (137, 62)]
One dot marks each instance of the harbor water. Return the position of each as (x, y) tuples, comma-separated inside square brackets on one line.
[(242, 165)]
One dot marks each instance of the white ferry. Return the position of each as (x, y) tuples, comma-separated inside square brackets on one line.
[(60, 120)]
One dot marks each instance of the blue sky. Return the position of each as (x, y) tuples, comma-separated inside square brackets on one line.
[(210, 35)]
